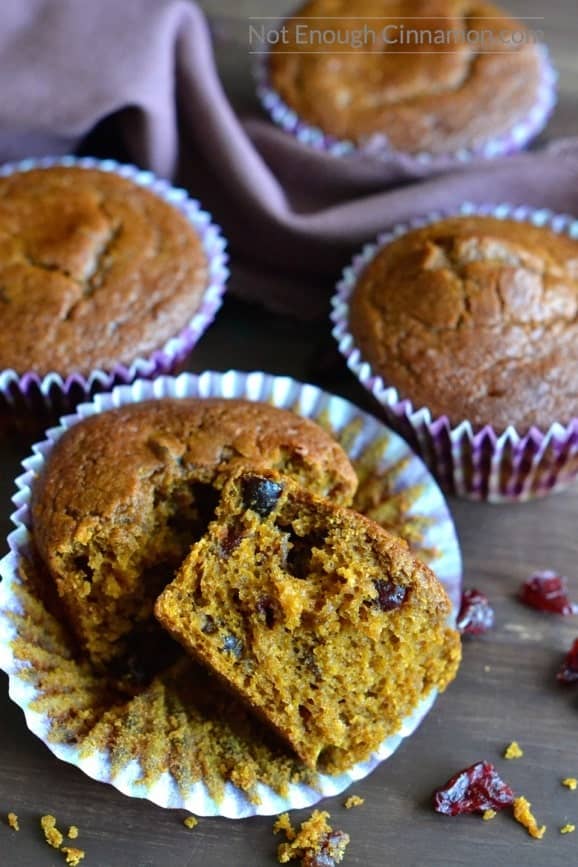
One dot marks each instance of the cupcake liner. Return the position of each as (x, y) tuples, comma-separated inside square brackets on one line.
[(31, 646), (376, 146), (56, 394), (477, 463)]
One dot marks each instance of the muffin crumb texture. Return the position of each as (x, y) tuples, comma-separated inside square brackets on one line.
[(567, 829), (487, 815), (72, 832), (13, 822), (523, 814), (570, 783), (315, 844), (301, 608), (138, 524), (475, 318)]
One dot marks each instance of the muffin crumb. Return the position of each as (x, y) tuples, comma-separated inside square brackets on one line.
[(52, 835), (316, 844), (13, 821), (513, 751), (283, 823), (190, 822), (570, 782), (73, 855), (72, 832), (567, 829), (523, 815), (353, 801), (488, 814)]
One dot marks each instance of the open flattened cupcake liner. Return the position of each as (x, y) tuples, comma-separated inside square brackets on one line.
[(376, 146), (31, 647), (57, 394), (477, 463)]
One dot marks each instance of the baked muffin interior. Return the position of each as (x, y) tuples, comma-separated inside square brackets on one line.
[(316, 617), (125, 494)]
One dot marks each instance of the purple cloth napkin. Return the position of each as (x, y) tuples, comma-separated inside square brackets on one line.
[(293, 216)]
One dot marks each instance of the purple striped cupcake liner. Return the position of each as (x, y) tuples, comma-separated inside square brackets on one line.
[(376, 146), (366, 441), (477, 463), (54, 393)]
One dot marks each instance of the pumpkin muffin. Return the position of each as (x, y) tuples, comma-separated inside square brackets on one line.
[(475, 318), (125, 493), (414, 93), (322, 622), (95, 271)]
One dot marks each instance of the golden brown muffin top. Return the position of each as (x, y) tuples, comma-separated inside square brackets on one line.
[(94, 271), (422, 97), (476, 318), (107, 470)]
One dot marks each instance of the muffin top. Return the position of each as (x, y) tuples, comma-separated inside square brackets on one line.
[(94, 271), (419, 92), (475, 318), (111, 469)]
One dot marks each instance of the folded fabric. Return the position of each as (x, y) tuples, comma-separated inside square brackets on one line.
[(143, 73)]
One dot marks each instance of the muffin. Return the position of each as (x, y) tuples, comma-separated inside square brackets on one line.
[(434, 93), (107, 274), (322, 622), (475, 319), (125, 493), (95, 270)]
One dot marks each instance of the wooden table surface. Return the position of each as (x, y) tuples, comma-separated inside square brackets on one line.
[(505, 690)]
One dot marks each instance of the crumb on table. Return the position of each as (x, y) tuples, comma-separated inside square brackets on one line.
[(283, 823), (72, 832), (513, 751), (73, 855), (488, 814), (52, 835), (316, 844), (523, 815), (570, 782), (567, 829), (354, 801), (190, 822), (13, 821)]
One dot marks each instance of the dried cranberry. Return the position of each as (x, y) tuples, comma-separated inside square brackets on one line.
[(260, 494), (266, 609), (547, 591), (389, 595), (330, 852), (569, 669), (231, 538), (473, 790), (476, 614), (209, 626)]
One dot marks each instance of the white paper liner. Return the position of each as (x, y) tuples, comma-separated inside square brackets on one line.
[(376, 146), (306, 400), (60, 393), (478, 463)]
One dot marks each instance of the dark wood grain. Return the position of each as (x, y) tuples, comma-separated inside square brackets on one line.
[(505, 689)]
